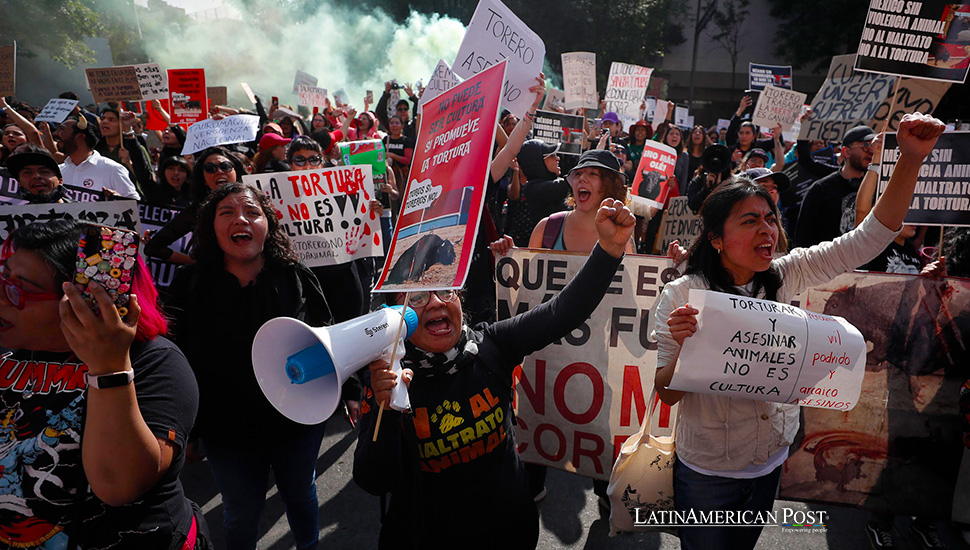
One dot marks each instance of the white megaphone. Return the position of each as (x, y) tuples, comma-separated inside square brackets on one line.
[(301, 368)]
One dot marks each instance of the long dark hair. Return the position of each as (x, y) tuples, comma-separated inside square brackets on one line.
[(198, 188), (276, 250), (704, 259)]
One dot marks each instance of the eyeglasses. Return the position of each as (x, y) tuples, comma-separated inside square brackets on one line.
[(212, 168), (421, 298), (865, 146), (315, 160), (18, 297), (402, 108)]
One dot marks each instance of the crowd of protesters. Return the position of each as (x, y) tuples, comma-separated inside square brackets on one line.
[(240, 271)]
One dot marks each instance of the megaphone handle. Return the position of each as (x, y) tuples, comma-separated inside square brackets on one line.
[(399, 394)]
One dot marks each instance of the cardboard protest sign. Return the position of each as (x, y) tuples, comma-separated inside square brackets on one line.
[(340, 96), (211, 132), (560, 129), (929, 40), (442, 80), (114, 84), (152, 81), (907, 425), (778, 106), (555, 99), (770, 351), (679, 223), (56, 110), (723, 123), (495, 34), (8, 70), (912, 95), (370, 152), (435, 234), (312, 96), (249, 92), (187, 93), (942, 195), (760, 76), (579, 80), (578, 399), (326, 212), (625, 89), (218, 95), (303, 79), (123, 214), (845, 100), (651, 107), (680, 115), (153, 218), (654, 180)]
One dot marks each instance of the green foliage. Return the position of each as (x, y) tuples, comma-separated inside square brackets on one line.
[(55, 27), (835, 29)]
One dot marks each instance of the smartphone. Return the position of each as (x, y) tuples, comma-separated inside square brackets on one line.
[(106, 255), (370, 96), (276, 100), (316, 110)]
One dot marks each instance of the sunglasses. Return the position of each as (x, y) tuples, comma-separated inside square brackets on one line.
[(18, 297), (212, 168), (421, 298), (403, 109), (299, 160)]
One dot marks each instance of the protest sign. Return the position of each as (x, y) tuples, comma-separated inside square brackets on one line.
[(340, 96), (651, 107), (56, 110), (845, 100), (392, 100), (211, 132), (579, 80), (155, 119), (8, 70), (760, 76), (578, 399), (187, 93), (369, 152), (560, 129), (152, 81), (654, 180), (912, 95), (312, 96), (249, 92), (942, 195), (153, 218), (625, 90), (555, 99), (778, 106), (114, 84), (218, 95), (723, 123), (770, 351), (442, 80), (680, 116), (929, 40), (432, 246), (303, 79), (907, 425), (325, 212), (659, 113), (679, 223), (9, 188), (123, 214), (495, 34)]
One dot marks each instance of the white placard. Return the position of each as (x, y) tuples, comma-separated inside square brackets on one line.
[(123, 214), (770, 351), (579, 80), (311, 96), (304, 79), (442, 80), (211, 132), (494, 34), (56, 110), (420, 196), (152, 80), (680, 115), (555, 100), (340, 96), (625, 89), (249, 92), (659, 114), (778, 106)]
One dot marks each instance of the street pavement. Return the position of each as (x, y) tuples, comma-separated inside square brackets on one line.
[(570, 517)]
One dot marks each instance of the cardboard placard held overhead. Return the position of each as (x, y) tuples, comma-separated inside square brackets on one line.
[(625, 90), (114, 84), (442, 80), (560, 129), (152, 80), (778, 106), (210, 132), (303, 79), (680, 115), (845, 100), (760, 76), (311, 96), (56, 110), (579, 80), (188, 95), (249, 92), (912, 95), (929, 40), (555, 100), (218, 95), (494, 34), (8, 70), (653, 182)]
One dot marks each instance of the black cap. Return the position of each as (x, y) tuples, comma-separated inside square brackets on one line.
[(757, 174), (859, 133), (759, 153), (600, 158), (18, 161)]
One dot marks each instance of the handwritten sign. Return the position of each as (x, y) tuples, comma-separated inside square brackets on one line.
[(218, 95), (560, 129), (123, 214), (760, 76), (8, 70), (326, 212), (770, 351), (303, 79), (152, 81), (625, 90), (679, 223), (311, 96), (778, 106), (442, 80), (56, 110), (579, 80), (495, 34), (653, 181), (188, 95), (845, 100), (114, 84), (211, 132), (555, 100)]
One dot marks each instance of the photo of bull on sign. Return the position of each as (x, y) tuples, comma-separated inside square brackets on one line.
[(745, 442)]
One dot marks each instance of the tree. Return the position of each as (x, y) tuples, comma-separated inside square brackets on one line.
[(727, 31), (56, 27), (813, 45)]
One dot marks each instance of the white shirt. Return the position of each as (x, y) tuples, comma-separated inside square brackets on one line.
[(97, 173)]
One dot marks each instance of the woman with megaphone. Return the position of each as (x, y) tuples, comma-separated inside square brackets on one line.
[(450, 464)]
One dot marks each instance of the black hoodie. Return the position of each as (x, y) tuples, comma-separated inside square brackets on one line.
[(544, 193)]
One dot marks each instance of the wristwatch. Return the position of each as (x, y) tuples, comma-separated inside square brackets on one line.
[(113, 380)]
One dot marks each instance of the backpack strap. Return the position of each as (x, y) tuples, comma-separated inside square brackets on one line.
[(553, 228)]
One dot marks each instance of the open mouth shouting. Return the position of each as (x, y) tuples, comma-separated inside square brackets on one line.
[(241, 237), (765, 250), (439, 325)]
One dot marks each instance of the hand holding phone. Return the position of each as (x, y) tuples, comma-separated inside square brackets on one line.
[(107, 256)]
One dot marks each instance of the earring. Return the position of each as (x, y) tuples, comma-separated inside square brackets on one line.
[(718, 251)]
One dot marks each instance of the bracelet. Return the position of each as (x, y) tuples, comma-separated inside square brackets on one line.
[(530, 116)]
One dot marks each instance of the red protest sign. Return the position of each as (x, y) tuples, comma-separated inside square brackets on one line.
[(155, 120), (187, 94), (654, 181), (435, 235)]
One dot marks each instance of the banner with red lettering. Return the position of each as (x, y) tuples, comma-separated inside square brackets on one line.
[(654, 181), (578, 400), (326, 212), (436, 229), (187, 95)]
